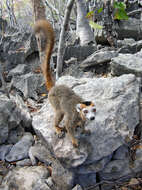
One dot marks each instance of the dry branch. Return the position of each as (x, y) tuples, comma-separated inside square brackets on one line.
[(61, 47)]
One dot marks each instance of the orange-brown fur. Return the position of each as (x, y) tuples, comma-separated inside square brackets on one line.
[(44, 30), (62, 98)]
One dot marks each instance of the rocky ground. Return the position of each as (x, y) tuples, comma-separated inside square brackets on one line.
[(109, 158)]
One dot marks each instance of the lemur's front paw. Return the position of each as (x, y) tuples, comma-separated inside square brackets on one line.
[(87, 132), (75, 143), (64, 129), (61, 134)]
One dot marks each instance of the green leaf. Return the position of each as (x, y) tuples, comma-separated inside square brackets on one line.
[(95, 25), (100, 10), (122, 5), (121, 15), (119, 5), (89, 14)]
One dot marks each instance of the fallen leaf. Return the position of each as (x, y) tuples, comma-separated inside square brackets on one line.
[(124, 188), (43, 95), (133, 181), (139, 146), (37, 70)]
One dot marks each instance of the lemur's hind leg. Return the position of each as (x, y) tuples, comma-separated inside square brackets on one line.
[(58, 118), (70, 130), (86, 131)]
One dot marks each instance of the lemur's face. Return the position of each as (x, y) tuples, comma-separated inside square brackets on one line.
[(87, 110)]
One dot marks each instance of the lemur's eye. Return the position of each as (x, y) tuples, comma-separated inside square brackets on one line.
[(94, 110), (85, 111)]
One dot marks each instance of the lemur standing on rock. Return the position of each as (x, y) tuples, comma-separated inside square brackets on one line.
[(65, 102)]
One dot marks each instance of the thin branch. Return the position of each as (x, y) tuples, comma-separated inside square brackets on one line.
[(10, 7), (118, 182), (1, 10), (38, 9), (56, 10), (61, 47), (134, 12)]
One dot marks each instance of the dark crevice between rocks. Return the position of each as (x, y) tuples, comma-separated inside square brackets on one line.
[(100, 69), (32, 56), (137, 131), (135, 143), (98, 180), (29, 129)]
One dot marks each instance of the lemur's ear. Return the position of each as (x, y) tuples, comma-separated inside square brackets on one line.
[(88, 103), (79, 107)]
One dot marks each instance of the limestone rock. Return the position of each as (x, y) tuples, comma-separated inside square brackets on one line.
[(39, 152), (122, 153), (86, 180), (20, 150), (25, 162), (117, 104), (17, 47), (126, 29), (24, 111), (93, 167), (138, 159), (24, 178), (125, 42), (29, 84), (77, 187), (127, 63), (100, 57), (128, 46), (15, 135), (13, 113), (18, 70), (79, 52), (41, 185), (9, 117), (4, 150), (62, 177), (115, 169)]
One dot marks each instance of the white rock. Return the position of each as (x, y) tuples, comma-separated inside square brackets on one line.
[(117, 115)]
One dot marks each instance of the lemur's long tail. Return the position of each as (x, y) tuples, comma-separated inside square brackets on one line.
[(46, 33)]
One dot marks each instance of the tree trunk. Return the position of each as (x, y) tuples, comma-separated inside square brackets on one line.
[(61, 46), (10, 7), (110, 32), (84, 32), (38, 9), (39, 14)]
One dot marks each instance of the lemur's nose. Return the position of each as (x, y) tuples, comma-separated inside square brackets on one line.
[(92, 118)]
